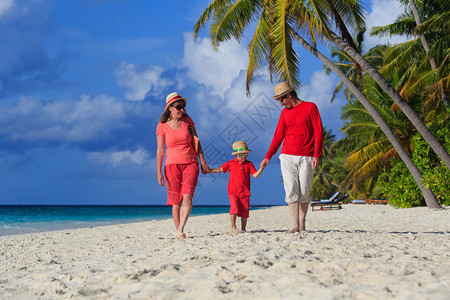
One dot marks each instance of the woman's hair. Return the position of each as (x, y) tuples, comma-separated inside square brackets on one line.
[(165, 116)]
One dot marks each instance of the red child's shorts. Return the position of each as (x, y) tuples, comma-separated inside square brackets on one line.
[(239, 206), (180, 179)]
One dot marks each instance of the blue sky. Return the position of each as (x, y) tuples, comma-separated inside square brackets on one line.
[(83, 83)]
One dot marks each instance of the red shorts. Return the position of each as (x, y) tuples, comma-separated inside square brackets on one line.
[(239, 206), (180, 179)]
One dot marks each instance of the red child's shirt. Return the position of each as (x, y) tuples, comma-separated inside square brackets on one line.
[(239, 183)]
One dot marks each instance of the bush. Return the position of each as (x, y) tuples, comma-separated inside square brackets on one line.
[(398, 184)]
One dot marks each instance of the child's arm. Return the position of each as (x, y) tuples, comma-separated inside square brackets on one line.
[(257, 173), (217, 170)]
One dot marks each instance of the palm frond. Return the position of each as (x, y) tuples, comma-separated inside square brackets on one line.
[(284, 58), (205, 18), (231, 20), (259, 48)]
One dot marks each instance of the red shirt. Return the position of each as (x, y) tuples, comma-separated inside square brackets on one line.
[(178, 142), (301, 129), (239, 183)]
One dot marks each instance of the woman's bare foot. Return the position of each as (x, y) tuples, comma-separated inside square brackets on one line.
[(293, 230)]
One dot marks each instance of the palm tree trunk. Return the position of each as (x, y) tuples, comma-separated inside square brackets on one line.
[(430, 199), (426, 46), (407, 110)]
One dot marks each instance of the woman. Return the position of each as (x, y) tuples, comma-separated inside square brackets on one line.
[(176, 130)]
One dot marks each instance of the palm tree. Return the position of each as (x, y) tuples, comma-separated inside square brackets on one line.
[(272, 42), (426, 46), (374, 56), (350, 11), (418, 52), (402, 104), (323, 185), (371, 151)]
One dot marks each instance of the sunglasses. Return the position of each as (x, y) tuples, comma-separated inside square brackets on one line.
[(180, 107), (241, 154), (282, 99)]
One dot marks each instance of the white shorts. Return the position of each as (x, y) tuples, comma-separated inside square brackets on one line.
[(298, 174)]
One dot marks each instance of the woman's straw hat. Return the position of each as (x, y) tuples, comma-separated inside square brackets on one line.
[(240, 147), (171, 98), (282, 89)]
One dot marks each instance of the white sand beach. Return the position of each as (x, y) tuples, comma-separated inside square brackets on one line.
[(358, 252)]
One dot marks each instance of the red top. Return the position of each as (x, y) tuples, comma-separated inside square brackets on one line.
[(301, 129), (178, 142), (239, 183)]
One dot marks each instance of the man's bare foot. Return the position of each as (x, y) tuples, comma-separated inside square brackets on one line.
[(242, 231), (180, 236), (293, 230)]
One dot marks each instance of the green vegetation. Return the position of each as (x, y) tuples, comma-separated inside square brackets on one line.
[(372, 166), (396, 95), (398, 184)]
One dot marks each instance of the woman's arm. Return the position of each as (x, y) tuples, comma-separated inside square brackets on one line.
[(159, 158), (205, 168)]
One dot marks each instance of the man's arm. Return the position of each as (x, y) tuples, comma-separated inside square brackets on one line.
[(318, 137), (277, 139)]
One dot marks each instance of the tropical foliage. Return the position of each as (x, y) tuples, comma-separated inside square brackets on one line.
[(399, 186), (373, 167), (377, 133)]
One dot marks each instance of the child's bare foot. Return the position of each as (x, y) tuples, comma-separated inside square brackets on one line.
[(293, 230), (180, 236), (233, 231)]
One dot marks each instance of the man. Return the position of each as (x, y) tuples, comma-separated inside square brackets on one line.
[(300, 130)]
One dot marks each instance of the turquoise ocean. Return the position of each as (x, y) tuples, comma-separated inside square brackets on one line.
[(19, 219)]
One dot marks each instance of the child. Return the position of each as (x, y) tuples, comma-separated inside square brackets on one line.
[(239, 184)]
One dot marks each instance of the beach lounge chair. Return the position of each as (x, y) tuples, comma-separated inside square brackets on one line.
[(327, 204), (335, 195), (376, 201), (359, 201), (328, 200)]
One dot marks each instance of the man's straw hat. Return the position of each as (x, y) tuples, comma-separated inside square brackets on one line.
[(240, 147), (282, 89), (171, 98)]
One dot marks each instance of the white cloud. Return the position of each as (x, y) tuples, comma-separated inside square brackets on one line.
[(84, 120), (236, 97), (140, 80), (319, 90), (5, 5), (119, 164), (216, 70), (139, 157), (383, 12)]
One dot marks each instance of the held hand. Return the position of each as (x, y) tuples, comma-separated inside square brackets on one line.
[(315, 162), (160, 179), (205, 168), (264, 163)]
